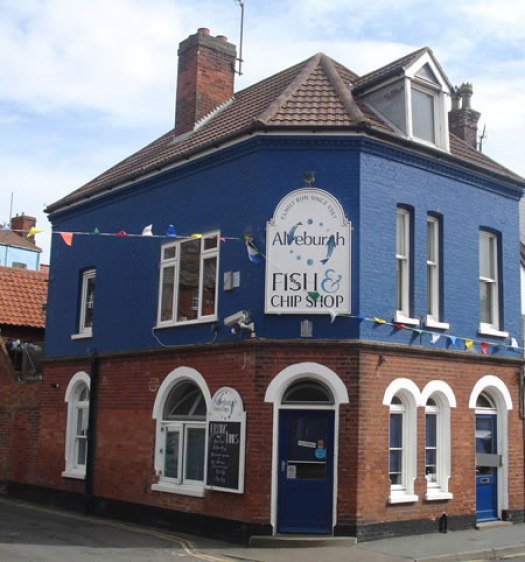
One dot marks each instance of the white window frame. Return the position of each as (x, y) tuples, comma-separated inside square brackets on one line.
[(86, 330), (75, 407), (179, 484), (444, 399), (491, 282), (409, 395), (172, 266), (440, 93), (433, 319), (403, 267)]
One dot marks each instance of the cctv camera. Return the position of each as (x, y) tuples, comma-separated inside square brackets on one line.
[(241, 317)]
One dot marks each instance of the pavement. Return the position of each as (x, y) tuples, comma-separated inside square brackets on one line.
[(34, 533)]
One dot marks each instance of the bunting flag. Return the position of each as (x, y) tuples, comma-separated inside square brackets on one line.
[(147, 230), (121, 234), (32, 231), (314, 295), (513, 343), (333, 315), (452, 340), (434, 338), (360, 318), (398, 325), (171, 232), (484, 347), (96, 231), (67, 237), (379, 321), (253, 253), (469, 345), (196, 235)]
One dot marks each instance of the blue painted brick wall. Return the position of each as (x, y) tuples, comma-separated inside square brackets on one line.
[(237, 189)]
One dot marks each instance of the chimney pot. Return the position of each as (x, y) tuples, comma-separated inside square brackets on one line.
[(462, 119), (203, 31), (222, 38)]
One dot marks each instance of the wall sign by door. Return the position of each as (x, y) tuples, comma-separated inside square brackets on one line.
[(226, 442), (308, 255)]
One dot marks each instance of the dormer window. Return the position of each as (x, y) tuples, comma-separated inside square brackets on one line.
[(423, 115), (416, 103)]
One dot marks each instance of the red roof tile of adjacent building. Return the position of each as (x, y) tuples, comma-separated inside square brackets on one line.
[(23, 294), (317, 94)]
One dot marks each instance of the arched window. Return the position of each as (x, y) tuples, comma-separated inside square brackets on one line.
[(307, 392), (437, 398), (180, 410), (402, 398), (77, 399)]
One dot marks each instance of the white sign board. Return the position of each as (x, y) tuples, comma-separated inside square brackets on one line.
[(308, 251)]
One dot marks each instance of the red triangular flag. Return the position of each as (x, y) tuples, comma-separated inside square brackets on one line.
[(67, 237)]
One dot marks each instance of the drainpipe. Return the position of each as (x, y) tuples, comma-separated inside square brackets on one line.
[(521, 387), (91, 434)]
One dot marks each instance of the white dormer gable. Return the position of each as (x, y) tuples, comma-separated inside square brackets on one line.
[(414, 101)]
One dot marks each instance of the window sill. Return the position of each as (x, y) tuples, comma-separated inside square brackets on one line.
[(400, 318), (431, 323), (438, 495), (183, 490), (79, 475), (185, 323), (486, 330), (402, 497), (82, 336)]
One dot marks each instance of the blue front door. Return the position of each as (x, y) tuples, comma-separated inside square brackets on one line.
[(306, 466), (487, 462)]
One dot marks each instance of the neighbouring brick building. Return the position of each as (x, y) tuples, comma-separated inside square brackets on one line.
[(297, 312)]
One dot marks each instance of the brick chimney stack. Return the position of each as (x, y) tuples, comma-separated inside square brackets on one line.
[(462, 119), (205, 77), (22, 224)]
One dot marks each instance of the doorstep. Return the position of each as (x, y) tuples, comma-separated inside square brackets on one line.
[(480, 525), (299, 541)]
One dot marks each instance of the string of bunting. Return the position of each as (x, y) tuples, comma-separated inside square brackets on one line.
[(254, 255), (453, 341), (257, 257)]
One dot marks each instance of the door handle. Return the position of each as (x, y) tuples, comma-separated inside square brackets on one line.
[(283, 466)]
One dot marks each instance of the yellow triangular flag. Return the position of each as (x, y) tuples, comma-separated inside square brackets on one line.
[(33, 231)]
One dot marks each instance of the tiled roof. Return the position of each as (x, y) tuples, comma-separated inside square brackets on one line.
[(317, 93), (10, 238), (23, 293)]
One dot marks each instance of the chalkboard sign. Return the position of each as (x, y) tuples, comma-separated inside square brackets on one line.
[(226, 442)]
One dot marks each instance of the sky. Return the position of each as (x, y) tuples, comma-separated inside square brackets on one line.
[(85, 84)]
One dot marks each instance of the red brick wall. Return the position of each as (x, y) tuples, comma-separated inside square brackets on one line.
[(205, 77), (126, 430), (19, 423)]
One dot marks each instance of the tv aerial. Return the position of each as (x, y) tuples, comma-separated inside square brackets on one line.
[(241, 33)]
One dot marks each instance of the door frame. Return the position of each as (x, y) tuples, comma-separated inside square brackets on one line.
[(499, 393), (492, 416), (274, 394)]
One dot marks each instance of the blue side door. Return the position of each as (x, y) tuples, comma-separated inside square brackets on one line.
[(306, 466), (487, 462)]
